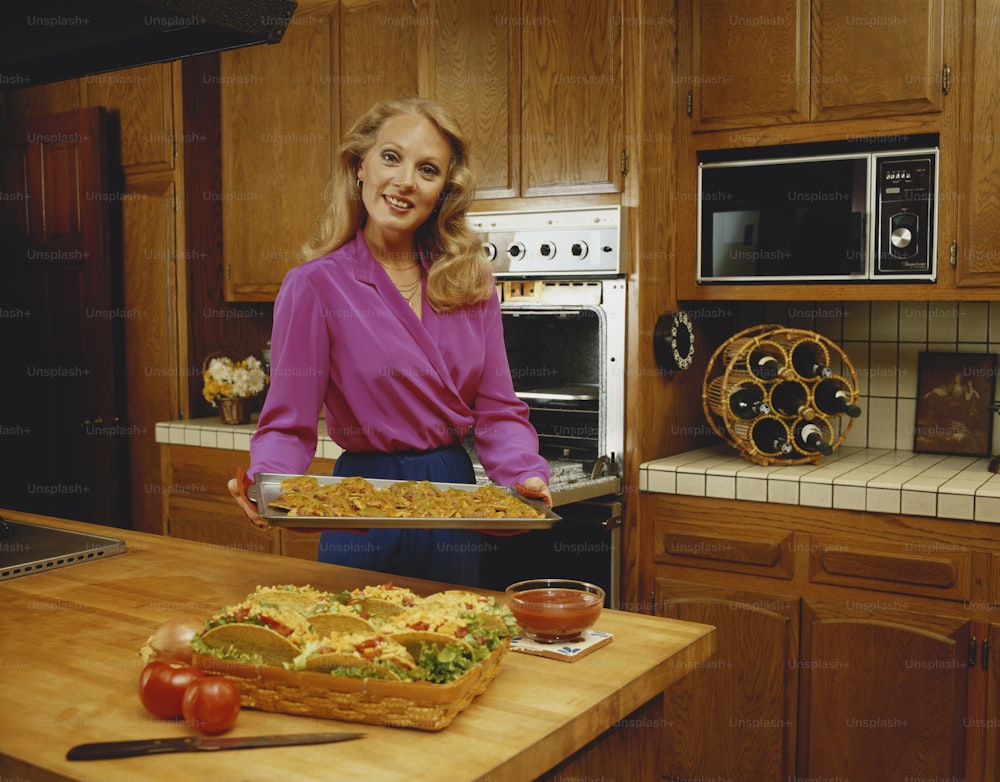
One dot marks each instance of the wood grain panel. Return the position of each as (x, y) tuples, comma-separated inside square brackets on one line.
[(478, 81), (276, 155), (150, 293), (733, 717), (571, 96), (876, 57), (729, 92), (142, 99), (944, 570), (370, 72), (979, 152), (882, 696), (772, 556)]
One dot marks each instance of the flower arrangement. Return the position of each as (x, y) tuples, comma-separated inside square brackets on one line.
[(226, 379)]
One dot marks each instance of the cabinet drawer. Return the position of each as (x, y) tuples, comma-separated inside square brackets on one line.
[(745, 552), (935, 570)]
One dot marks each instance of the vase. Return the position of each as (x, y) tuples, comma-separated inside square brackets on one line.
[(234, 411)]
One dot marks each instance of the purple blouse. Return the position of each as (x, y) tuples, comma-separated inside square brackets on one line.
[(346, 339)]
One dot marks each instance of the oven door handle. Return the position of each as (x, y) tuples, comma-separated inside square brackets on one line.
[(603, 513)]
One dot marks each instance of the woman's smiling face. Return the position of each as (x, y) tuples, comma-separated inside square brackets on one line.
[(404, 174)]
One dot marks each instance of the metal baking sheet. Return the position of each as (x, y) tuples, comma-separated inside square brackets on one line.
[(267, 487)]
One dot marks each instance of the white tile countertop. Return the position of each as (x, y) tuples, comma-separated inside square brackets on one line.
[(212, 433), (869, 479)]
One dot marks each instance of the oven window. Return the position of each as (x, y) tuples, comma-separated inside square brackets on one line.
[(556, 361)]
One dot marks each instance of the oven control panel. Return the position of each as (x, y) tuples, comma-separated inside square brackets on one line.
[(553, 242)]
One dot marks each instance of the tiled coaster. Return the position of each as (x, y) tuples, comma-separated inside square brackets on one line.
[(569, 652)]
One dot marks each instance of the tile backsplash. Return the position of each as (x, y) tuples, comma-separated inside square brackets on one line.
[(883, 340)]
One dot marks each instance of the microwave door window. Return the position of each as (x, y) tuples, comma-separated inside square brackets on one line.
[(734, 243)]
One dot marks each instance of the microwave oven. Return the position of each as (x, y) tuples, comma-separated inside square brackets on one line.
[(818, 213)]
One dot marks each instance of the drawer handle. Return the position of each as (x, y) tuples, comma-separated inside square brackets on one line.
[(748, 552), (907, 570)]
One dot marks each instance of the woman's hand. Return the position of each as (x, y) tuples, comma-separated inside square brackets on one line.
[(238, 490), (535, 487)]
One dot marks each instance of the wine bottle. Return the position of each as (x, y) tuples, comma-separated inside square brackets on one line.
[(767, 362), (833, 397), (809, 359), (770, 436), (791, 398), (744, 400), (810, 437)]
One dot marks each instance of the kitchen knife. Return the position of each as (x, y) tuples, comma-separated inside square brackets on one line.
[(103, 750)]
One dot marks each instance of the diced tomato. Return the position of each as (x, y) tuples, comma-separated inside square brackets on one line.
[(419, 626), (275, 625), (461, 632)]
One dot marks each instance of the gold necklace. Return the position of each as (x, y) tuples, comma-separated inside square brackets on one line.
[(396, 268)]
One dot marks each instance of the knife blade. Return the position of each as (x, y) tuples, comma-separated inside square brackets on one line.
[(103, 750)]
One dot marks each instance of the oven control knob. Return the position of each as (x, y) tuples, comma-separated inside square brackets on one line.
[(901, 237), (547, 250), (515, 251), (578, 250), (489, 251)]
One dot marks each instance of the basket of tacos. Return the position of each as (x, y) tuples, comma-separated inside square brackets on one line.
[(402, 660)]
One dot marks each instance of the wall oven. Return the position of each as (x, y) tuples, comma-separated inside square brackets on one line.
[(561, 282)]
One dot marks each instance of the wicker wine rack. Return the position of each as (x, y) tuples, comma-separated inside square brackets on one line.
[(791, 395)]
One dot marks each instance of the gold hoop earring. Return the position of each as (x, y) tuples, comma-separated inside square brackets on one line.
[(360, 182)]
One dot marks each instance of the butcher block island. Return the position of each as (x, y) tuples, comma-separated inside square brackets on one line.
[(69, 668)]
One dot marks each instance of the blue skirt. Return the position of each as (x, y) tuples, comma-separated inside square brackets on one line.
[(439, 555)]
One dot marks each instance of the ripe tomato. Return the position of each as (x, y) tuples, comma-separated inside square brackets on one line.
[(211, 704), (162, 684)]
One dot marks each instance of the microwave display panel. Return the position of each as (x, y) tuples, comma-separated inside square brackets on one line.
[(799, 218)]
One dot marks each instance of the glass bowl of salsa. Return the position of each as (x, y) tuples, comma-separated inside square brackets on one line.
[(554, 610)]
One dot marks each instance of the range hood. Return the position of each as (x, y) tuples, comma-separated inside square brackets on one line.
[(51, 40)]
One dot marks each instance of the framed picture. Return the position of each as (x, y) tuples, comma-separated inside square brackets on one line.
[(954, 398)]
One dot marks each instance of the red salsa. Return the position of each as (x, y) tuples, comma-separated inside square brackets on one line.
[(555, 614)]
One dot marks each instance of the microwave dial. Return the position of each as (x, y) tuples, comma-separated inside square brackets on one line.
[(515, 251), (578, 250), (489, 251), (547, 250)]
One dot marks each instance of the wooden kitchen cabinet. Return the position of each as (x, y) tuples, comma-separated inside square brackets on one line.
[(197, 505), (851, 645), (978, 245), (812, 61), (743, 700), (883, 692), (536, 85), (718, 39), (277, 152)]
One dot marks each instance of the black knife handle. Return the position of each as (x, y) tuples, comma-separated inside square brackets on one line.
[(104, 750)]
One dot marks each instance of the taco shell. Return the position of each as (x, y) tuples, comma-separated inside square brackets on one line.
[(252, 641), (333, 622)]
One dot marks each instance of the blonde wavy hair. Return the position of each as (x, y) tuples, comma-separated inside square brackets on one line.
[(458, 275)]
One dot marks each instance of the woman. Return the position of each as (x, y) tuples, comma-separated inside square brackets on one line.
[(394, 329)]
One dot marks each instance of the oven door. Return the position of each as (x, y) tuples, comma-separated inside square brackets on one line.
[(585, 545)]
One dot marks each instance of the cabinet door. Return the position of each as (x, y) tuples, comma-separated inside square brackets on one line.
[(571, 97), (734, 716), (143, 100), (883, 693), (745, 63), (876, 59), (378, 54), (276, 155), (474, 71), (979, 153)]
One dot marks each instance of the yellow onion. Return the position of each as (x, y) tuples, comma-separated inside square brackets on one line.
[(172, 639)]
